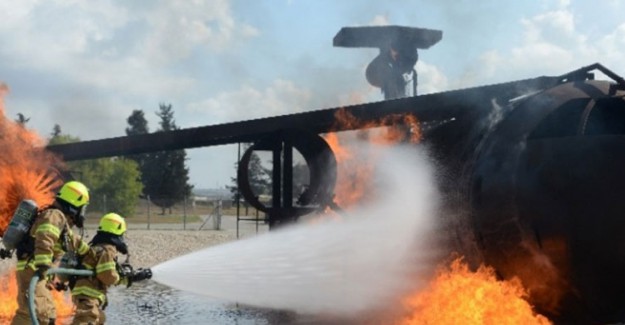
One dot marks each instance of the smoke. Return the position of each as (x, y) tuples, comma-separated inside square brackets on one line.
[(344, 266)]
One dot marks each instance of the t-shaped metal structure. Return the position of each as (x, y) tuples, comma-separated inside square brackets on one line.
[(398, 54)]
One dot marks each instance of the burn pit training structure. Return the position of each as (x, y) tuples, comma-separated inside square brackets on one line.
[(537, 177)]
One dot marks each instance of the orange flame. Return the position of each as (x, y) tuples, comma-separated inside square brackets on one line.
[(460, 296), (456, 295), (354, 176), (8, 296), (8, 299), (26, 169), (393, 128)]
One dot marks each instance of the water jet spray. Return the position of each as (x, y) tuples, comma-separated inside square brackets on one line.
[(338, 267)]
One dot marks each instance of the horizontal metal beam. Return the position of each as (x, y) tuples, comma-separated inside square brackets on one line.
[(425, 107)]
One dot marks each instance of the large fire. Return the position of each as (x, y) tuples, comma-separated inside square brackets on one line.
[(355, 163), (456, 295), (26, 171), (8, 299)]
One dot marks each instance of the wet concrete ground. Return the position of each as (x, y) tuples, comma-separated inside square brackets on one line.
[(152, 303)]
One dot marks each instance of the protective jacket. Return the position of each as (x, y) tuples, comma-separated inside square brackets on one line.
[(50, 237), (102, 259)]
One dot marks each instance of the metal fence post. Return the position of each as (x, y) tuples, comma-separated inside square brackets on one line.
[(217, 220), (148, 202), (184, 213)]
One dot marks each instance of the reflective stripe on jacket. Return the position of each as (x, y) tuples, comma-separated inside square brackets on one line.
[(102, 258), (52, 236)]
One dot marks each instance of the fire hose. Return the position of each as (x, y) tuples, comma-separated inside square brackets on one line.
[(124, 270), (33, 284)]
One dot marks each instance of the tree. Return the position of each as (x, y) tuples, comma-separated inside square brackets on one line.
[(113, 183), (56, 131), (165, 175), (258, 176), (137, 125), (21, 119)]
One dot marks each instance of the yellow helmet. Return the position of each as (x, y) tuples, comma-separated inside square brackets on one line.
[(75, 193), (113, 223)]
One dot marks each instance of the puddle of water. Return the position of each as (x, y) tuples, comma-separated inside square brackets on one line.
[(152, 303)]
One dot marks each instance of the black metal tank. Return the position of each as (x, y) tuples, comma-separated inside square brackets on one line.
[(547, 196)]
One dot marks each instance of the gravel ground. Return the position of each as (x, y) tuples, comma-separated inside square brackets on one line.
[(150, 247)]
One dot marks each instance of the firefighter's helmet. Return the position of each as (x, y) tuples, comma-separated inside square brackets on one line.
[(74, 193), (112, 223)]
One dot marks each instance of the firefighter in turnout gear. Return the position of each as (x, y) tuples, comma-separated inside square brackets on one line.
[(50, 237), (89, 294)]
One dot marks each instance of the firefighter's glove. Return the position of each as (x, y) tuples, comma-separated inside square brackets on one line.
[(60, 286), (42, 272), (125, 270), (5, 253)]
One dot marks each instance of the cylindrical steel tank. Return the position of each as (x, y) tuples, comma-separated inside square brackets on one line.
[(546, 189)]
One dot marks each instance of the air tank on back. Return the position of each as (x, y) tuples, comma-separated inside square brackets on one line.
[(546, 186)]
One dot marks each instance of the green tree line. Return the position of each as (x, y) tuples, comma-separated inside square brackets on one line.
[(116, 183)]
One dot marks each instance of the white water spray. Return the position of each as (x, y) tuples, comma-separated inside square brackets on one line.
[(342, 266)]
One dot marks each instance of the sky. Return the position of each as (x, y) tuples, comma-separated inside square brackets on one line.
[(86, 65)]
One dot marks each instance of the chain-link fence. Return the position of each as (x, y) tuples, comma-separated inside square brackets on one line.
[(192, 213)]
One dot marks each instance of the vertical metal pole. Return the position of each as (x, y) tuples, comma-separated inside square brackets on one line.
[(287, 176), (276, 188), (218, 216), (148, 212), (238, 195), (184, 213)]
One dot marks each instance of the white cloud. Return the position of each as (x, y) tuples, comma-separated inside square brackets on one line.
[(553, 44), (178, 27), (86, 41), (611, 46), (430, 79), (48, 36), (13, 13), (379, 20), (280, 97)]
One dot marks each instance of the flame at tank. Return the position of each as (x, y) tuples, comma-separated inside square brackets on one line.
[(456, 294)]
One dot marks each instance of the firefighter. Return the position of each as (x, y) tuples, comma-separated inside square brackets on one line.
[(49, 237), (89, 294)]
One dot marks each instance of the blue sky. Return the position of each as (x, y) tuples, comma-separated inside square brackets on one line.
[(85, 65)]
